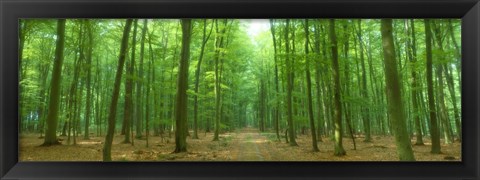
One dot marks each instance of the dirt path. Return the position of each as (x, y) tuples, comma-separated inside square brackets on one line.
[(251, 146)]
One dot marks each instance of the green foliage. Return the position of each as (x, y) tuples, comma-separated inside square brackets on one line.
[(247, 61)]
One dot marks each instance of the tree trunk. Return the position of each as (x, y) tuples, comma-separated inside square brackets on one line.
[(182, 86), (128, 108), (52, 117), (89, 77), (218, 51), (289, 69), (72, 97), (116, 91), (395, 105), (276, 109), (364, 88), (138, 111), (413, 60), (147, 86), (434, 132), (205, 38), (339, 151), (309, 91), (347, 105), (440, 89), (320, 115)]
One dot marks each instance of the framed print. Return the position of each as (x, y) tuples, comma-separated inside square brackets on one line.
[(242, 89)]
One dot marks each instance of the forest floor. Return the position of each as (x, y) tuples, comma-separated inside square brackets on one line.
[(241, 145)]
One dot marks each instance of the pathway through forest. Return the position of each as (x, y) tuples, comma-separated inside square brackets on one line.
[(251, 146)]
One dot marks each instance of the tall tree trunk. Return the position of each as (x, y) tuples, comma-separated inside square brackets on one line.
[(138, 111), (348, 107), (411, 53), (339, 151), (440, 89), (289, 69), (128, 113), (320, 119), (89, 77), (147, 86), (72, 97), (395, 105), (226, 31), (156, 101), (182, 86), (364, 88), (205, 38), (107, 148), (295, 100), (434, 132), (219, 43), (277, 92), (327, 83), (128, 108), (309, 90), (52, 117)]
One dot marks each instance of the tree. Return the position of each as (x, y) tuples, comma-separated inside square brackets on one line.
[(347, 104), (147, 86), (395, 104), (276, 109), (219, 45), (88, 66), (364, 89), (116, 91), (289, 69), (205, 38), (182, 86), (339, 151), (52, 117), (318, 80), (138, 111), (309, 90), (74, 98), (443, 113), (434, 132), (412, 56), (128, 108)]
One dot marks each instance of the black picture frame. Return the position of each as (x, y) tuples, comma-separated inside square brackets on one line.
[(12, 10)]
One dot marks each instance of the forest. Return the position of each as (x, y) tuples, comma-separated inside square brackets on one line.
[(240, 90)]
